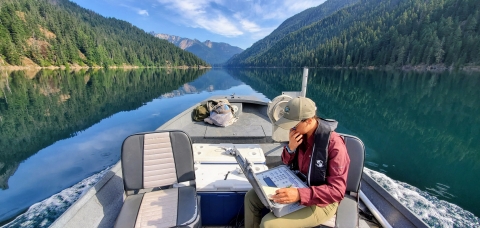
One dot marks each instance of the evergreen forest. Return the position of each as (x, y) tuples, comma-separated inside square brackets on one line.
[(61, 33), (380, 33), (292, 24)]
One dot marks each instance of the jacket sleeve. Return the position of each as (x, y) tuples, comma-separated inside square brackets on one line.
[(336, 179), (287, 158)]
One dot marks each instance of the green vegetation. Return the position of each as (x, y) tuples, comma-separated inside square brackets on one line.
[(35, 113), (59, 32), (419, 124), (382, 33), (407, 104), (405, 119), (292, 24)]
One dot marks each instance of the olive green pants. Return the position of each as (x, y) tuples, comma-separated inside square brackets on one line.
[(305, 217)]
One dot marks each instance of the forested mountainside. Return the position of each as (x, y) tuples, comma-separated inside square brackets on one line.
[(292, 24), (211, 52), (383, 33), (59, 32)]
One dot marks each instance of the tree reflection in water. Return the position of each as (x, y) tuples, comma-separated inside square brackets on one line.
[(54, 105), (420, 128)]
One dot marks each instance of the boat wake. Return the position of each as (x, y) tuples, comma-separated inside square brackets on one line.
[(44, 213), (433, 211)]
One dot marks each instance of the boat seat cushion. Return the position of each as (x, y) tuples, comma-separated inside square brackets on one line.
[(165, 208), (347, 212), (356, 152), (157, 159)]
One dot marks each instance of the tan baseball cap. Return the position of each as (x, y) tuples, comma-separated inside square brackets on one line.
[(297, 109)]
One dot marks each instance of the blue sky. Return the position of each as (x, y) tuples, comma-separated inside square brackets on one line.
[(236, 22)]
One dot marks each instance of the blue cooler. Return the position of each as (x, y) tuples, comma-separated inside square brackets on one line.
[(221, 194), (222, 188)]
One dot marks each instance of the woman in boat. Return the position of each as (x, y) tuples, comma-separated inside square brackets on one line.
[(319, 153)]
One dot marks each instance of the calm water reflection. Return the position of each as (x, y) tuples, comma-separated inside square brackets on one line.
[(57, 127), (419, 128)]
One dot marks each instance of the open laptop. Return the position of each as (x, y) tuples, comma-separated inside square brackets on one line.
[(265, 184)]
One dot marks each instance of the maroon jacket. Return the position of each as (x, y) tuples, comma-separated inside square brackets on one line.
[(338, 163)]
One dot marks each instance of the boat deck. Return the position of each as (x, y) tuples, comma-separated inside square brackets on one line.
[(102, 203), (252, 126)]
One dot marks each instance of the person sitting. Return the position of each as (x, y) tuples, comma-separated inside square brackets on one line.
[(319, 153)]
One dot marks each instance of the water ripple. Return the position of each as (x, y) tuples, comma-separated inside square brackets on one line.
[(44, 213), (434, 212)]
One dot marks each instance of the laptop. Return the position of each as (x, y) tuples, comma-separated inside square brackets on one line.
[(265, 184)]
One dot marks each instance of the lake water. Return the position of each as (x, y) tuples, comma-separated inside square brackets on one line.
[(60, 130)]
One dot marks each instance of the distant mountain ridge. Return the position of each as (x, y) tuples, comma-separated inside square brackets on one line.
[(211, 52)]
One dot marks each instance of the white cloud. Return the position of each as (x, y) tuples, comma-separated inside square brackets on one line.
[(249, 26), (246, 24), (139, 11), (296, 6), (200, 14), (232, 18), (286, 8), (220, 25), (142, 12)]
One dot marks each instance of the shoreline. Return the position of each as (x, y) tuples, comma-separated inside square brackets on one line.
[(407, 68), (418, 68), (29, 68), (29, 65), (34, 70), (31, 71)]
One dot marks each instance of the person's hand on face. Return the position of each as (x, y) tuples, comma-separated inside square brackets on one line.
[(294, 139)]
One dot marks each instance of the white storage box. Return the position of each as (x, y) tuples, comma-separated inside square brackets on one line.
[(214, 178), (219, 154)]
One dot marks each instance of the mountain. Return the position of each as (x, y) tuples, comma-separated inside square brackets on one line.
[(292, 24), (211, 52), (59, 32), (382, 33)]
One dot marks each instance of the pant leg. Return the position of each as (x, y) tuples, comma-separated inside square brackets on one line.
[(305, 217), (253, 208)]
